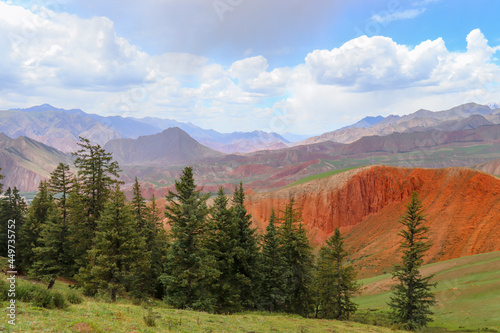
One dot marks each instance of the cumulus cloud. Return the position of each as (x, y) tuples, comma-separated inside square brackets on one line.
[(70, 61)]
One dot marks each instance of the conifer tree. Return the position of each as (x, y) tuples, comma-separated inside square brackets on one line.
[(29, 233), (147, 225), (299, 262), (97, 173), (60, 185), (222, 244), (190, 269), (158, 245), (51, 258), (80, 235), (412, 297), (272, 292), (336, 283), (139, 206), (247, 250), (117, 259), (1, 184), (12, 207)]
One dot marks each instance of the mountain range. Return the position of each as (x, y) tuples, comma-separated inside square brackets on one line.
[(62, 128), (463, 136), (465, 116)]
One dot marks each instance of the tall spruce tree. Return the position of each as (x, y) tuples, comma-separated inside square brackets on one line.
[(190, 268), (157, 243), (30, 231), (52, 255), (299, 262), (222, 244), (97, 173), (117, 259), (60, 186), (51, 258), (12, 207), (272, 268), (412, 297), (247, 250), (336, 283), (80, 234)]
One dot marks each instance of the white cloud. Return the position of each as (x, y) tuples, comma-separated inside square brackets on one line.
[(397, 16), (71, 62)]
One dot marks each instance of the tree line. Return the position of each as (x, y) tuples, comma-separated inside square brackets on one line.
[(81, 226)]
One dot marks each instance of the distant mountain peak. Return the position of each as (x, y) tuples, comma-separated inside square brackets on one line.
[(493, 105)]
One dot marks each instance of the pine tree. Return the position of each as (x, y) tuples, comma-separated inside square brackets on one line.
[(272, 268), (60, 185), (412, 298), (139, 206), (117, 259), (299, 262), (247, 250), (336, 284), (29, 233), (158, 246), (190, 269), (222, 243), (98, 173), (51, 256), (12, 207), (146, 226), (80, 234)]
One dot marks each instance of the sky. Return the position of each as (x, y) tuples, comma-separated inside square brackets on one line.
[(305, 67)]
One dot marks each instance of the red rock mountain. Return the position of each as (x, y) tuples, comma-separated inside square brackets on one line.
[(462, 211)]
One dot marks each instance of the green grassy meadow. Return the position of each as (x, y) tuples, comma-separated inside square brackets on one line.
[(123, 316), (319, 176), (467, 294)]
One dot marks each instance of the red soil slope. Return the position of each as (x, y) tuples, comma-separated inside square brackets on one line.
[(462, 211)]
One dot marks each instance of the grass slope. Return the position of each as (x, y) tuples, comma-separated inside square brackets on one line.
[(99, 316), (319, 176), (467, 294)]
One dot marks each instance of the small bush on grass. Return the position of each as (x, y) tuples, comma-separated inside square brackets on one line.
[(73, 297), (40, 296)]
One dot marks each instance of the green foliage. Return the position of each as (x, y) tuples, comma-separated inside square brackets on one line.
[(222, 244), (30, 232), (118, 257), (273, 269), (412, 298), (190, 268), (246, 253), (12, 207), (335, 283), (298, 259), (97, 174), (150, 318), (73, 297), (157, 242), (40, 296), (60, 186), (50, 257), (80, 235)]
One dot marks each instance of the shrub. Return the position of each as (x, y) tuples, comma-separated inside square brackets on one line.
[(4, 290), (150, 318), (59, 300), (73, 297), (40, 296)]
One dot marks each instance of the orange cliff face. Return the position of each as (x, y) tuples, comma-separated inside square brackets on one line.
[(462, 211)]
